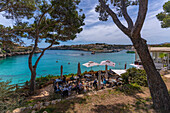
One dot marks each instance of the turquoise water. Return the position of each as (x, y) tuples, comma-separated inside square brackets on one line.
[(16, 67)]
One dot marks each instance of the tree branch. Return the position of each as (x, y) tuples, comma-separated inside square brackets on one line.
[(126, 15), (5, 6), (31, 54), (36, 63), (45, 27), (115, 18), (143, 4), (43, 15), (14, 30)]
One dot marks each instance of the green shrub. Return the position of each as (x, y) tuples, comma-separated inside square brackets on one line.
[(45, 78), (48, 109), (3, 51), (134, 75), (9, 98), (129, 88)]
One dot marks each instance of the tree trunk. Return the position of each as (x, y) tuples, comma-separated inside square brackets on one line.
[(32, 84), (33, 68), (157, 87)]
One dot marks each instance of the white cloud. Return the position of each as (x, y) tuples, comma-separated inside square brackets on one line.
[(4, 21), (107, 33)]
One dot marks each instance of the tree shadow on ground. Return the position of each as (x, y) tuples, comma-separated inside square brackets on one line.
[(114, 108), (130, 90), (64, 105), (124, 108)]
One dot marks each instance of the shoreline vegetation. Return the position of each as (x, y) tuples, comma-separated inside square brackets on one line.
[(97, 47), (15, 49)]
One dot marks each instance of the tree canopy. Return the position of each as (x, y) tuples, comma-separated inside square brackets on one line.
[(164, 16), (17, 10), (54, 21)]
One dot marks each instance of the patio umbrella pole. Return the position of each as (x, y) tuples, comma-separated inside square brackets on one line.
[(79, 69), (99, 80), (61, 72)]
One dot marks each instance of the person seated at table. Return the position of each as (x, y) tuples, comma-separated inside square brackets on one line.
[(76, 86), (69, 89), (118, 83), (79, 76), (86, 87), (79, 87), (65, 91), (104, 81), (72, 77), (95, 83), (97, 74), (57, 88), (64, 79)]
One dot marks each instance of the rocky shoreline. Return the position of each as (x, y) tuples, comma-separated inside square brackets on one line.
[(95, 48), (17, 53), (96, 51)]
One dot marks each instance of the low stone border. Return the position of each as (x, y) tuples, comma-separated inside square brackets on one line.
[(42, 105), (39, 106)]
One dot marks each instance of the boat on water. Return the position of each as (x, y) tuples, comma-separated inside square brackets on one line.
[(130, 51), (82, 54), (93, 52)]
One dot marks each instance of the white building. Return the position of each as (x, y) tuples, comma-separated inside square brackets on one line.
[(160, 55)]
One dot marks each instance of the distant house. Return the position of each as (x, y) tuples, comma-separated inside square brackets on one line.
[(104, 49), (160, 56)]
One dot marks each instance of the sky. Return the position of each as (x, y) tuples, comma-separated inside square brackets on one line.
[(96, 31)]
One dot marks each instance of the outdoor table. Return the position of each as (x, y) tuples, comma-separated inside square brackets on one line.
[(76, 77), (88, 75), (102, 74), (58, 80), (112, 80), (101, 83), (120, 79)]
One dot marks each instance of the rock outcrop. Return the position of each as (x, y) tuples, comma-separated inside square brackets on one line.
[(16, 53)]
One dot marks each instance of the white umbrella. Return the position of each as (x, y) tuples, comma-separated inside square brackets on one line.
[(137, 66), (108, 63), (119, 72), (90, 64)]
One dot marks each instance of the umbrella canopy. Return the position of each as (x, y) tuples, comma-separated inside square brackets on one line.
[(108, 63), (90, 64), (79, 69), (137, 66), (119, 72)]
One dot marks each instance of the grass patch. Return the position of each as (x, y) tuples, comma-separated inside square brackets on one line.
[(129, 88), (88, 97), (48, 109), (103, 96)]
